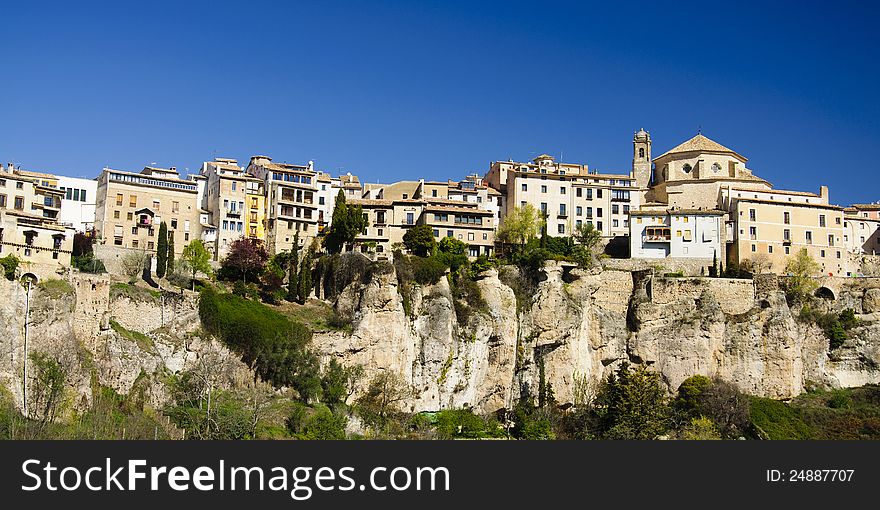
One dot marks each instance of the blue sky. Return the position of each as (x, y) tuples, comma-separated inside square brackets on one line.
[(393, 90)]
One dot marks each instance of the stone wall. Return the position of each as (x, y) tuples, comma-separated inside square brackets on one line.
[(146, 312), (735, 296), (688, 267)]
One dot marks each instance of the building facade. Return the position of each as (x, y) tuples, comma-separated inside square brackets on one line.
[(235, 202), (290, 202), (78, 202), (30, 206), (131, 207), (568, 194)]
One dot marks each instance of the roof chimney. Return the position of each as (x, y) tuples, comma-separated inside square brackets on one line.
[(823, 193)]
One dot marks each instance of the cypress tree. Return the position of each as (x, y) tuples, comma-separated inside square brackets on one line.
[(292, 273), (162, 251), (170, 264), (305, 274)]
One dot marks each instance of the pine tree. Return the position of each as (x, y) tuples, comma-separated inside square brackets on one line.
[(162, 251)]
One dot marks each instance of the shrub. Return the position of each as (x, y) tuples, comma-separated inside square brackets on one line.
[(9, 264), (631, 404), (56, 288), (316, 423), (275, 347), (419, 240), (776, 420), (427, 271), (463, 423), (88, 264)]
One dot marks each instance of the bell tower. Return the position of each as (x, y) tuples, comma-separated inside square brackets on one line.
[(641, 167)]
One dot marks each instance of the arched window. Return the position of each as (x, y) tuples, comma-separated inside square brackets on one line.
[(686, 168), (641, 152)]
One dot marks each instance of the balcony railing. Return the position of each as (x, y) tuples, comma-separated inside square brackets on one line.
[(657, 238)]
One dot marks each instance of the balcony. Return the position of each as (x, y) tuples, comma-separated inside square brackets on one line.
[(233, 212), (654, 238)]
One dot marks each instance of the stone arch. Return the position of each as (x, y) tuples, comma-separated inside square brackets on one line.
[(825, 293), (33, 278)]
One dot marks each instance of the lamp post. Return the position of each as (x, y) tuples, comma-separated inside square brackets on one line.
[(27, 310)]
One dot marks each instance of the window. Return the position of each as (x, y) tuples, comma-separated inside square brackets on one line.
[(436, 232), (134, 231), (615, 209), (590, 194), (134, 243), (716, 167), (19, 203), (753, 233), (151, 245), (2, 200), (117, 241), (754, 248), (543, 207), (751, 215), (19, 185), (380, 217), (562, 190), (578, 211), (589, 212), (838, 254), (786, 217), (543, 189), (156, 205), (234, 185), (614, 223), (433, 193), (598, 193), (129, 216), (449, 233), (132, 201), (119, 199), (174, 223), (641, 152), (787, 250), (562, 211), (470, 236), (561, 228), (598, 225), (830, 239), (409, 218), (809, 237), (485, 236), (525, 187), (598, 212), (687, 168), (786, 235), (579, 192), (769, 248), (821, 220), (822, 253), (115, 215), (175, 206)]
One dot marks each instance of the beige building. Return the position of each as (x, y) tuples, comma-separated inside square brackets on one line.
[(131, 207), (763, 226), (861, 229), (569, 194), (30, 204), (291, 202), (235, 201)]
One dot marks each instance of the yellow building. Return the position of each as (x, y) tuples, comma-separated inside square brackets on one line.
[(291, 202), (235, 201)]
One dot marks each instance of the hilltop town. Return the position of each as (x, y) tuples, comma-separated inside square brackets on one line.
[(696, 209)]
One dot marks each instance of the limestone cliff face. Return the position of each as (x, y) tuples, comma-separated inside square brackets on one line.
[(582, 324), (147, 340), (577, 325)]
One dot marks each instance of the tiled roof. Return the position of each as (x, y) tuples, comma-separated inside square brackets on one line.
[(700, 143)]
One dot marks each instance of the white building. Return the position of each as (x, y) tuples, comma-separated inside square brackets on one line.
[(78, 203), (679, 233)]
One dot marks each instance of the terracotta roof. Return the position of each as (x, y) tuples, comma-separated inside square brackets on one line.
[(866, 207), (655, 212), (788, 204), (374, 202), (700, 143)]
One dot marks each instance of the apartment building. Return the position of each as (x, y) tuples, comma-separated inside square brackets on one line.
[(658, 233), (291, 202), (131, 207), (78, 202), (861, 229), (569, 194), (235, 202), (30, 204)]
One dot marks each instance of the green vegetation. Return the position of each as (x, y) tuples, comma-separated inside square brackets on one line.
[(721, 403), (836, 326), (245, 261), (419, 240), (379, 407), (56, 288), (317, 423), (88, 264), (464, 424), (162, 251), (347, 223), (315, 315), (851, 413), (801, 269), (9, 264), (776, 420), (273, 345), (520, 225), (133, 292), (197, 258), (143, 341)]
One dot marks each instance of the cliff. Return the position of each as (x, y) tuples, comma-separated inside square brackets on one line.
[(569, 328)]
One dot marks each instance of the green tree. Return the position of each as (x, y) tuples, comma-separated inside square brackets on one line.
[(346, 224), (197, 257), (587, 238), (304, 287), (293, 269), (420, 241), (316, 423), (46, 389), (338, 382), (170, 264), (381, 402), (162, 251), (801, 269), (631, 404), (700, 429), (520, 225)]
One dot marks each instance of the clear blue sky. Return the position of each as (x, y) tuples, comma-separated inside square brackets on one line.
[(439, 89)]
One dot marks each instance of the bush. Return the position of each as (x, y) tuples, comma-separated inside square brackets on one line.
[(9, 264), (419, 240), (88, 264), (316, 423), (776, 420), (464, 424), (275, 347), (530, 422), (427, 271), (631, 404)]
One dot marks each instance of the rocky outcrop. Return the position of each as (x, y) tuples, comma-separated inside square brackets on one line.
[(580, 325), (572, 328)]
